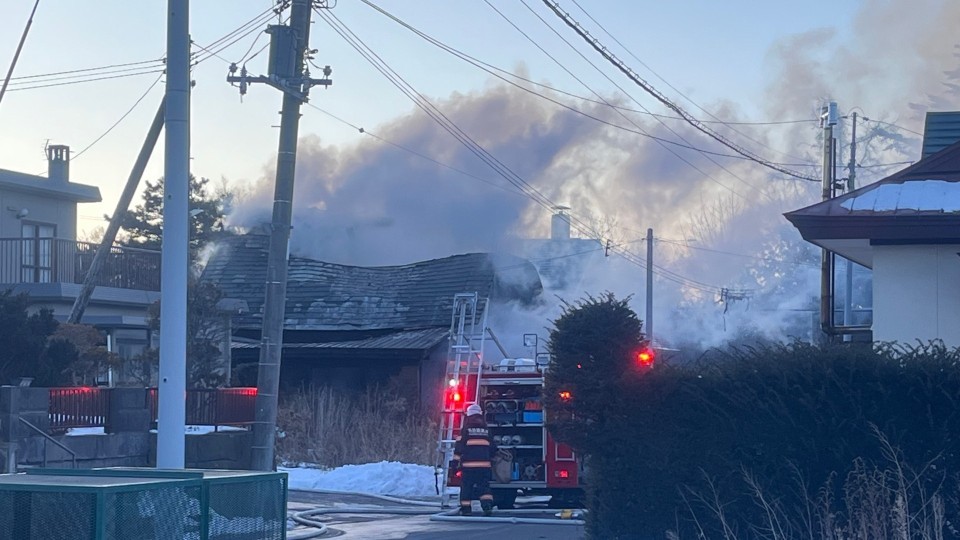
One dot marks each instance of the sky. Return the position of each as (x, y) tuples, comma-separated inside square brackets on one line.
[(379, 197)]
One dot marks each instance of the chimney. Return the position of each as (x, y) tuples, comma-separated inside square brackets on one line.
[(58, 163), (560, 224)]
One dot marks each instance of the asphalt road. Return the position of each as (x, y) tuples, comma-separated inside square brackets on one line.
[(393, 527)]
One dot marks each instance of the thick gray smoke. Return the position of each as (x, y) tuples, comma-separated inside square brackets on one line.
[(373, 204)]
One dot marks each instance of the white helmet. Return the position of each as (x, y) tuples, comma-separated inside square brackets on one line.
[(474, 410)]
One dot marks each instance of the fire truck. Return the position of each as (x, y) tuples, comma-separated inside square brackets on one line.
[(509, 393)]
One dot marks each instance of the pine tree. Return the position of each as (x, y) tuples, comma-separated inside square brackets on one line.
[(592, 347)]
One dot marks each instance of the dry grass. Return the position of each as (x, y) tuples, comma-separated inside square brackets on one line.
[(329, 427), (891, 501)]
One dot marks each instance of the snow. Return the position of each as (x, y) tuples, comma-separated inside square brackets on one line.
[(919, 195), (189, 430), (383, 478)]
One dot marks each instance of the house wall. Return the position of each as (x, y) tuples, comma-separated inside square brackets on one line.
[(916, 293), (41, 209)]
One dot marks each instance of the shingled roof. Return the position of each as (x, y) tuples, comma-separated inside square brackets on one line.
[(327, 296)]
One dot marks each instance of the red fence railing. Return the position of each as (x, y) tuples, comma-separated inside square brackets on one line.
[(90, 407), (79, 407), (213, 406)]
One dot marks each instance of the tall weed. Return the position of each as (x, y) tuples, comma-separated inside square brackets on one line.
[(330, 427)]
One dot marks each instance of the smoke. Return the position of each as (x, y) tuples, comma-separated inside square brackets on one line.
[(715, 219)]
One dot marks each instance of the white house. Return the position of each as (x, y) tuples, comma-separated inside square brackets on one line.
[(906, 228)]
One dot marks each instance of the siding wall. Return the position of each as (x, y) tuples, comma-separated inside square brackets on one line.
[(916, 294)]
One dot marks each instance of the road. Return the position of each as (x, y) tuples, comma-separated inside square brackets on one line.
[(393, 527)]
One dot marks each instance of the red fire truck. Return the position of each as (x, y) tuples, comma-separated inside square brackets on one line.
[(532, 462)]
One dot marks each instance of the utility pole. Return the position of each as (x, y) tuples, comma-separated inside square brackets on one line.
[(16, 55), (828, 119), (851, 184), (90, 280), (173, 267), (649, 321), (288, 51)]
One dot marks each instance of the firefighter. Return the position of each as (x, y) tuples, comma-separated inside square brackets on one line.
[(472, 454)]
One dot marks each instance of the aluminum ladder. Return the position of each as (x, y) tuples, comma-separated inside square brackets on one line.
[(468, 330)]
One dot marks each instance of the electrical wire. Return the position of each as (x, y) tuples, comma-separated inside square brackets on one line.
[(341, 29), (668, 128), (398, 146), (675, 89), (496, 72), (121, 119), (639, 131), (891, 124), (743, 255), (646, 86), (438, 116)]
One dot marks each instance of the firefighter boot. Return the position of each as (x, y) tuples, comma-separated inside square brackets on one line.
[(487, 507), (465, 510)]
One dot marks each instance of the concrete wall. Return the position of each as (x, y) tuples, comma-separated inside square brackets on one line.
[(916, 294), (127, 441)]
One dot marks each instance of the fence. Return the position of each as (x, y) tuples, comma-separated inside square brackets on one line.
[(90, 407), (58, 260), (214, 406)]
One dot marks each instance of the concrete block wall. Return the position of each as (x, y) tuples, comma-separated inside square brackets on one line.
[(126, 441)]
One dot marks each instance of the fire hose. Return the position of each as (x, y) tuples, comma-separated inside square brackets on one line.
[(414, 507)]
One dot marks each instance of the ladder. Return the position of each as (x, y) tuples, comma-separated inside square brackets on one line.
[(468, 328)]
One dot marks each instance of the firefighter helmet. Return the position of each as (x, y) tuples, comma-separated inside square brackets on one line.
[(474, 410)]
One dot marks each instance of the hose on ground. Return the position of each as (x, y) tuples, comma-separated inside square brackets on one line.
[(305, 517)]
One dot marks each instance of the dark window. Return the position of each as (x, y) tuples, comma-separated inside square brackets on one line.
[(37, 260)]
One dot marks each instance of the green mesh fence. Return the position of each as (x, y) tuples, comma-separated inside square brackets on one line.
[(248, 507), (73, 507), (143, 504)]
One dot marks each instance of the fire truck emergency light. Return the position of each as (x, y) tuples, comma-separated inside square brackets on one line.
[(645, 358)]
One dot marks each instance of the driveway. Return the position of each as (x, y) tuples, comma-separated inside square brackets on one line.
[(394, 527)]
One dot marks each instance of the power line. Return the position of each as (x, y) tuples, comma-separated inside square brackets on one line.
[(448, 125), (610, 57), (492, 70), (668, 128), (157, 61), (481, 153), (398, 146), (743, 255), (115, 124), (675, 89)]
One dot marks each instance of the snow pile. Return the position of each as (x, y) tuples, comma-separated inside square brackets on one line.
[(383, 478)]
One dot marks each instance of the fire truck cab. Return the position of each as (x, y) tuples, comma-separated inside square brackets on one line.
[(510, 395)]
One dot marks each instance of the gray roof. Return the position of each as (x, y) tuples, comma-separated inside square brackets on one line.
[(327, 296), (38, 185), (418, 340)]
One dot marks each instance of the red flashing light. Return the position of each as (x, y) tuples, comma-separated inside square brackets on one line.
[(646, 357), (564, 474), (565, 395), (454, 396)]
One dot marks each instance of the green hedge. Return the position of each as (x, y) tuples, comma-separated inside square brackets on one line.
[(792, 441)]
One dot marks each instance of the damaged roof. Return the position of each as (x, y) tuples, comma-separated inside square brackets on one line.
[(417, 340), (919, 204), (327, 296)]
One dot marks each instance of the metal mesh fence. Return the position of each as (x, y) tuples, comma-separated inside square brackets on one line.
[(252, 509), (172, 512), (47, 515)]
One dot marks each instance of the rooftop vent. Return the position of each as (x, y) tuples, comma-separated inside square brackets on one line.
[(58, 163)]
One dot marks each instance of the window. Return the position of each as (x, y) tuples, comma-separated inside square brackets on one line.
[(37, 261)]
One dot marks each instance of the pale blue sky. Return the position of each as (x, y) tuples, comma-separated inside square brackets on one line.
[(709, 50)]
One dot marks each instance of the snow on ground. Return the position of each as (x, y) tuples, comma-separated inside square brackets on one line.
[(188, 430), (383, 478)]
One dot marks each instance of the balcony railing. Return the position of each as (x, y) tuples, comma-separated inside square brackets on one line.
[(56, 260), (78, 407)]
